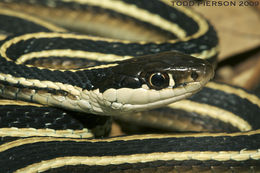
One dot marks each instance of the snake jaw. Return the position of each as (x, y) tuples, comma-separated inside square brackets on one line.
[(141, 99), (125, 100)]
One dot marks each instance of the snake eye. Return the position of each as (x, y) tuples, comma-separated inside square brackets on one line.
[(158, 80)]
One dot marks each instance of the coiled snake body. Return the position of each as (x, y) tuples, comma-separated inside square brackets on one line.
[(144, 60)]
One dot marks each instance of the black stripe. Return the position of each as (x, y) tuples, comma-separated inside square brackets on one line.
[(53, 62), (12, 25), (230, 102), (81, 79), (165, 166), (51, 118), (5, 139), (37, 117), (28, 154)]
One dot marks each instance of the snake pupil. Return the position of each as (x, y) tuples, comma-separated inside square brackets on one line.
[(159, 80), (194, 75)]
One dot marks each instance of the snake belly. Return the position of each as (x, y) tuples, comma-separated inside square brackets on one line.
[(61, 77)]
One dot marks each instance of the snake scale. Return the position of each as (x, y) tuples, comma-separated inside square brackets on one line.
[(67, 66)]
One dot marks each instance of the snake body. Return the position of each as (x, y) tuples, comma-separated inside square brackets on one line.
[(119, 77)]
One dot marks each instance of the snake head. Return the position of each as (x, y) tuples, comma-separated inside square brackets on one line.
[(152, 81)]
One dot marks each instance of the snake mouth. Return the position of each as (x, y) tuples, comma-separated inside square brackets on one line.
[(164, 97), (154, 99)]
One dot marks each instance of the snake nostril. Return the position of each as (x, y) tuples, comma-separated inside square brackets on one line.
[(194, 75)]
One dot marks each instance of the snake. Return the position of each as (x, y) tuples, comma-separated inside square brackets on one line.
[(68, 66)]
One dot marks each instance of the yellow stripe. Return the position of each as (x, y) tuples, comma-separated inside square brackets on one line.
[(2, 37), (213, 112), (27, 132), (141, 158), (241, 93), (102, 66), (40, 84), (17, 103), (207, 53), (72, 54), (178, 135), (20, 142)]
